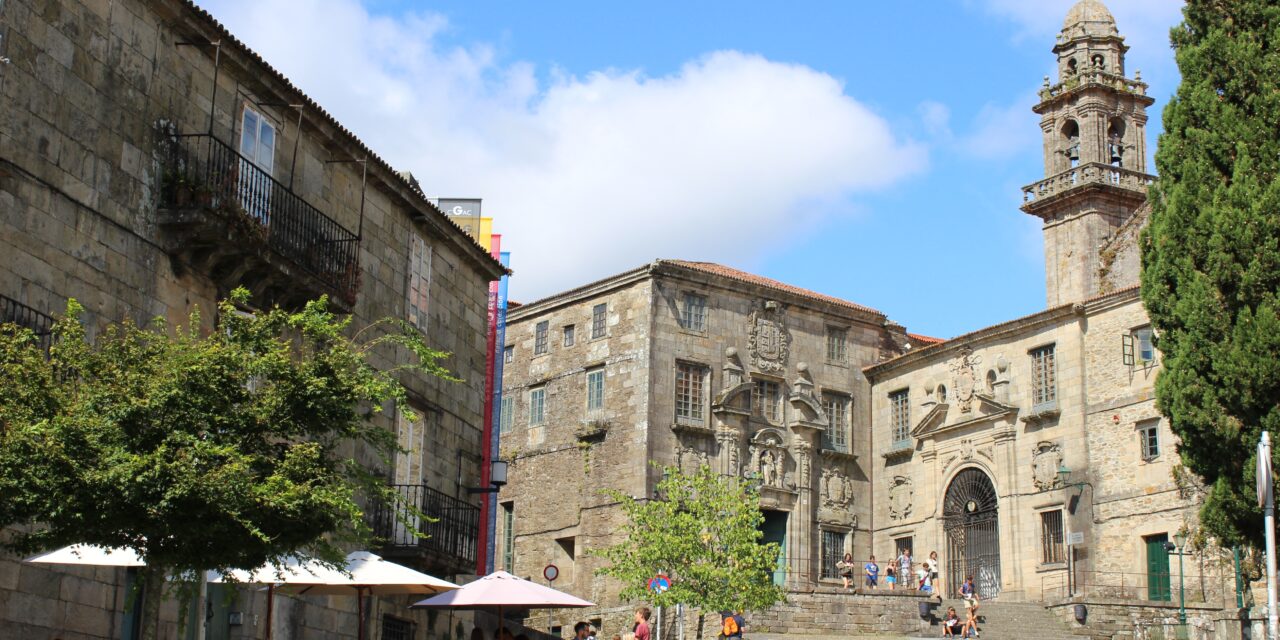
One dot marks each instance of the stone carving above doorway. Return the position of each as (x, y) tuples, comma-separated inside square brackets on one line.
[(1046, 458), (966, 378), (901, 493), (691, 459), (768, 340), (835, 500)]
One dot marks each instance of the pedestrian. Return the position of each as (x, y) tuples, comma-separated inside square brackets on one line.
[(582, 631), (904, 567), (845, 569), (950, 624), (933, 566), (971, 624), (969, 593), (641, 628), (873, 572), (730, 625)]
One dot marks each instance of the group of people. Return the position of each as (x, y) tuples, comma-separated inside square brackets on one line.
[(952, 627), (898, 574)]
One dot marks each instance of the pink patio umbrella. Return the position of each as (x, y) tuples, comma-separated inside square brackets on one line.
[(500, 590)]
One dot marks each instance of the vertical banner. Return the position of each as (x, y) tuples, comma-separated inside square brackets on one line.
[(487, 433), (497, 354)]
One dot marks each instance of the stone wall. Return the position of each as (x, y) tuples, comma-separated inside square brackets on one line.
[(835, 612), (92, 89), (1114, 619)]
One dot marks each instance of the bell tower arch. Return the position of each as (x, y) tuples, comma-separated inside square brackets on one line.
[(1094, 124)]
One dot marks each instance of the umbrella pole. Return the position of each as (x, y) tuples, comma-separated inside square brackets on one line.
[(271, 592)]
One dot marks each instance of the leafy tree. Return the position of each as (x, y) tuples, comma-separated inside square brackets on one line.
[(200, 451), (1211, 254), (704, 532)]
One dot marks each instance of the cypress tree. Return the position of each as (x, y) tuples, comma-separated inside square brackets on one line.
[(1210, 256)]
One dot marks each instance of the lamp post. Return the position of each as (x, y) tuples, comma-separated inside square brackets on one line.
[(1180, 539)]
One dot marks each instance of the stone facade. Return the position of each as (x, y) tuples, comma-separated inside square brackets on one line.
[(95, 100), (661, 324)]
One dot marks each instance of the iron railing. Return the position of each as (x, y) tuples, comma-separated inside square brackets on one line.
[(1217, 589), (204, 172), (452, 527), (14, 312)]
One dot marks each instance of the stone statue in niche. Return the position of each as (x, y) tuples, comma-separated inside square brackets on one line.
[(966, 378), (768, 460), (901, 493), (768, 340), (1046, 458)]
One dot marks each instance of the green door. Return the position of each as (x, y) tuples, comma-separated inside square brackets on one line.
[(775, 530), (1158, 568)]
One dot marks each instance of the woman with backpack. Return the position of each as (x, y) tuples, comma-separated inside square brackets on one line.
[(730, 625)]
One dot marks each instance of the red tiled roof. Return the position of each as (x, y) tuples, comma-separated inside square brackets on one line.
[(926, 339), (313, 106), (751, 278)]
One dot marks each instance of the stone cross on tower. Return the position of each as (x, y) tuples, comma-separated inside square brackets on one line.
[(1094, 122)]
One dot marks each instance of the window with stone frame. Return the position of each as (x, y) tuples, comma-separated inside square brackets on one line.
[(1149, 438), (419, 281), (766, 400), (394, 628), (540, 338), (598, 314), (1044, 378), (1138, 347), (508, 536), (832, 552), (506, 417), (900, 418), (1052, 549), (508, 354), (569, 331), (411, 439), (838, 408), (537, 406), (691, 392), (693, 312), (595, 389), (837, 345)]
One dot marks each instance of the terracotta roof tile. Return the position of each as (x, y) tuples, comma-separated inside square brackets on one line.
[(925, 339), (751, 278)]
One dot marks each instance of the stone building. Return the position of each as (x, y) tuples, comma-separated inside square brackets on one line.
[(1029, 454), (687, 363), (149, 163)]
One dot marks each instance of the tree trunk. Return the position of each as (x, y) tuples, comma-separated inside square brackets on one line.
[(152, 593), (702, 620)]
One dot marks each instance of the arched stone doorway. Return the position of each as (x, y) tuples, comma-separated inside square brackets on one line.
[(970, 519)]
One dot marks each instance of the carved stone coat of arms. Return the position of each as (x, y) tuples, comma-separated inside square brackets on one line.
[(768, 340)]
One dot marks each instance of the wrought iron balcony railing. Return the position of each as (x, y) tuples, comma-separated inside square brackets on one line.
[(453, 530), (12, 311), (204, 173), (1090, 173)]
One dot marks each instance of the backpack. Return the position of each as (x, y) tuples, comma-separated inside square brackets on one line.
[(731, 627)]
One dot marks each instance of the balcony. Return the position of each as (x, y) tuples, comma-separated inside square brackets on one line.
[(448, 544), (224, 216), (14, 312), (1093, 78), (1125, 182)]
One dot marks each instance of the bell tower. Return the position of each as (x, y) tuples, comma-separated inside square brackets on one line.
[(1094, 122)]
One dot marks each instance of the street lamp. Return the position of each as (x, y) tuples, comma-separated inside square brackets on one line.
[(1180, 543)]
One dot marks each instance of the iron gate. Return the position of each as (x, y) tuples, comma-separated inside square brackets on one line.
[(969, 516)]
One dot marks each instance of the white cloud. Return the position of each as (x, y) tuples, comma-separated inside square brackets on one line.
[(1001, 131), (588, 175)]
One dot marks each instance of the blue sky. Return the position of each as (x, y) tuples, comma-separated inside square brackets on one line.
[(869, 150)]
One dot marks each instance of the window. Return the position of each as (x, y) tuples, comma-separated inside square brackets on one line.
[(566, 554), (941, 392), (1044, 374), (693, 316), (410, 438), (394, 628), (900, 418), (540, 338), (901, 545), (568, 335), (508, 536), (836, 342), (766, 400), (1138, 347), (836, 437), (1149, 438), (506, 416), (595, 389), (508, 354), (1051, 548), (257, 151), (832, 552), (419, 280), (597, 320), (690, 392), (537, 406)]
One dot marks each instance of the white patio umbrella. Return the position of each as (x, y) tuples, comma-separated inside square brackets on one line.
[(500, 590), (365, 573), (91, 555)]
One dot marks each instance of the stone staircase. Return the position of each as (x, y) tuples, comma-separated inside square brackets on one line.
[(1009, 621)]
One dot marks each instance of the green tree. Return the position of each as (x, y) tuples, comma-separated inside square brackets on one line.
[(703, 530), (199, 450), (1211, 254)]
